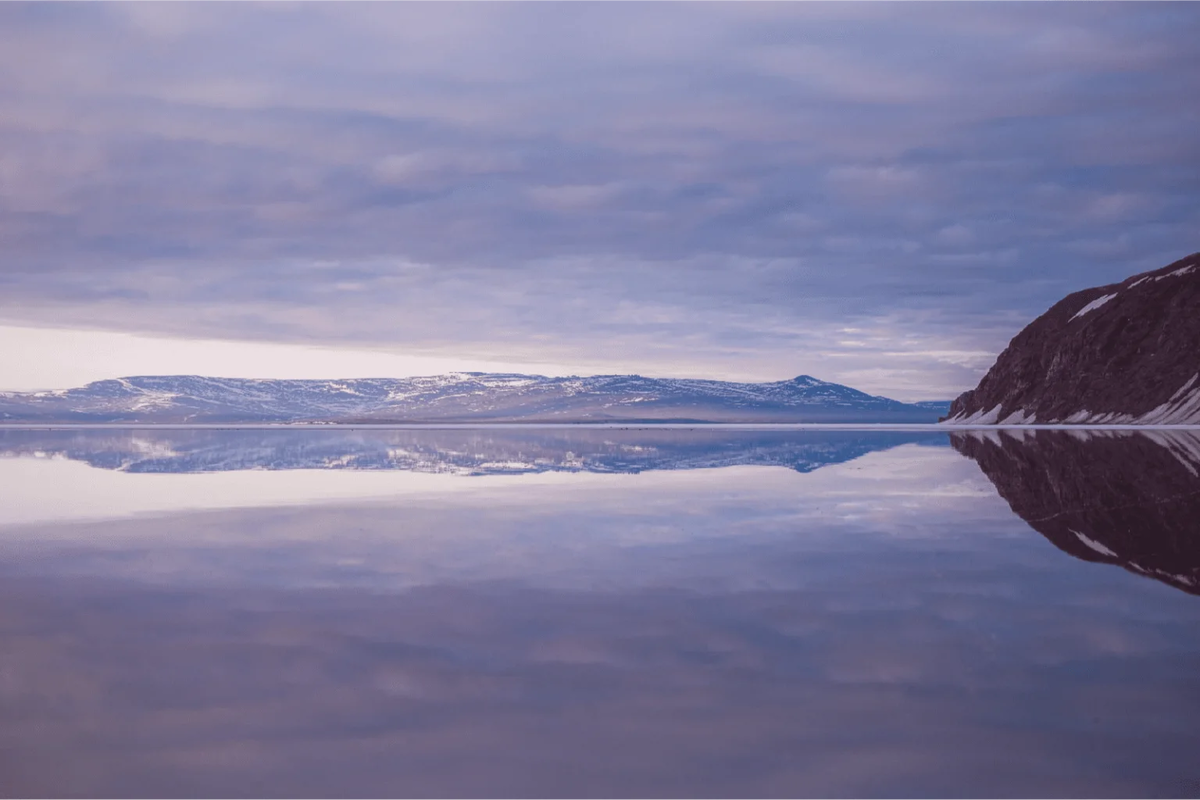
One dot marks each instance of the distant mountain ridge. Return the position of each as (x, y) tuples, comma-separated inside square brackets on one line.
[(1125, 353), (456, 397)]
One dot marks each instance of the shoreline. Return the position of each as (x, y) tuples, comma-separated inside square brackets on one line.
[(934, 427)]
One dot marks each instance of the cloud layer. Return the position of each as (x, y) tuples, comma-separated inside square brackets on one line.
[(880, 195)]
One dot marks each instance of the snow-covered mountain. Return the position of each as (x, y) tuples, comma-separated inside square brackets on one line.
[(455, 397)]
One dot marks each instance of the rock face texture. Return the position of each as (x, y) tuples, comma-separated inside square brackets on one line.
[(1126, 353), (1116, 497)]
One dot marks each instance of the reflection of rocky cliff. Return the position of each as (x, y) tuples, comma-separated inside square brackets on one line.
[(1118, 497), (466, 451)]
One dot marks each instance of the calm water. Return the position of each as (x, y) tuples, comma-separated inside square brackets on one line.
[(598, 613)]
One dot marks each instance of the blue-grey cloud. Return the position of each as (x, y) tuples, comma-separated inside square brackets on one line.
[(717, 188)]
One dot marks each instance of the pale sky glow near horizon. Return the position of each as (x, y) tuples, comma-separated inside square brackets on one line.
[(38, 359), (880, 195), (34, 359)]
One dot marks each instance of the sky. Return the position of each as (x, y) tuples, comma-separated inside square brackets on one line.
[(880, 195)]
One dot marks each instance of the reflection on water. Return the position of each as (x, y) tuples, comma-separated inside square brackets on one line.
[(481, 451), (1116, 497), (830, 614)]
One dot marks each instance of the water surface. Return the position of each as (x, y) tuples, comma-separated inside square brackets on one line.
[(587, 613)]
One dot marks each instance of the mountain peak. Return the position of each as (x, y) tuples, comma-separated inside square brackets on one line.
[(455, 397)]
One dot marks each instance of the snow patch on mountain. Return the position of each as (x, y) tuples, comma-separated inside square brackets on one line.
[(1175, 273), (1092, 306), (978, 418)]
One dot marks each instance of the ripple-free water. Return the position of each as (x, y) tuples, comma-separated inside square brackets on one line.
[(598, 612)]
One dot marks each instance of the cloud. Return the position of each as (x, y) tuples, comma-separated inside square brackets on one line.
[(745, 171)]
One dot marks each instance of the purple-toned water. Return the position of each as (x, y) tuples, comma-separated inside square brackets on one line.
[(596, 613)]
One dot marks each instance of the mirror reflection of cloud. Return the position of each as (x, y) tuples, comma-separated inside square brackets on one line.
[(877, 626), (826, 661)]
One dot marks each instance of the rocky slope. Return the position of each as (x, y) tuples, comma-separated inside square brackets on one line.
[(1126, 353), (457, 397), (1128, 498)]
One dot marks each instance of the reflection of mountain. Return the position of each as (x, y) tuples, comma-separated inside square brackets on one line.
[(1118, 497), (470, 452)]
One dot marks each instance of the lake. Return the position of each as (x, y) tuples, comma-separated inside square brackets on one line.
[(617, 612)]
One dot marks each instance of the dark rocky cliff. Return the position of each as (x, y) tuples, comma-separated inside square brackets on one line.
[(1124, 353), (1116, 497)]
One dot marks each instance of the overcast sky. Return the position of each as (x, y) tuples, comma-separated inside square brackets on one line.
[(880, 195)]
